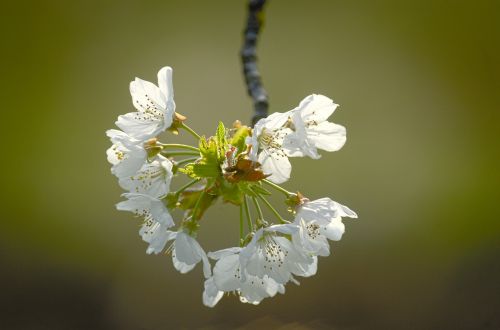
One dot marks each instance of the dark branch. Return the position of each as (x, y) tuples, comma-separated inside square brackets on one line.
[(249, 59)]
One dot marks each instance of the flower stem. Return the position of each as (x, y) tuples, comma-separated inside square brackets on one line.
[(180, 146), (184, 161), (247, 211), (187, 185), (190, 131), (277, 187), (276, 213), (257, 206), (241, 225), (179, 153), (197, 205)]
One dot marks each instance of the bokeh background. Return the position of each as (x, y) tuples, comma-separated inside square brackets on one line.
[(418, 83)]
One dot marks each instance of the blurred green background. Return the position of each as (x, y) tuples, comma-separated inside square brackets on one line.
[(418, 83)]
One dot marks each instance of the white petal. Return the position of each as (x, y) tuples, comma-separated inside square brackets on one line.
[(182, 267), (126, 154), (289, 228), (296, 145), (276, 163), (334, 230), (187, 253), (274, 121), (222, 253), (130, 165), (156, 235), (227, 275), (313, 242), (146, 95), (165, 83), (297, 261), (185, 249), (152, 179), (327, 136), (140, 126), (211, 295), (344, 211), (316, 107), (113, 155), (146, 206), (255, 289)]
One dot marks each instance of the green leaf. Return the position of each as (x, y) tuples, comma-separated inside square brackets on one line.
[(231, 192), (171, 200), (221, 141), (239, 137), (189, 198), (202, 169), (221, 133)]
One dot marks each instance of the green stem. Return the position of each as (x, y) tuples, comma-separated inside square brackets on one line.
[(179, 153), (184, 161), (276, 213), (187, 185), (180, 146), (195, 208), (190, 131), (277, 187), (247, 211), (241, 225), (257, 206)]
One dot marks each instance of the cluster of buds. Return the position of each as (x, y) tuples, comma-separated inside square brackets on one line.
[(239, 165)]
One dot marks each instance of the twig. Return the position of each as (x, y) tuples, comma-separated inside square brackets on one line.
[(249, 59)]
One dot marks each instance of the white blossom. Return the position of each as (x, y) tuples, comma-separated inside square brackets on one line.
[(152, 179), (275, 256), (127, 155), (148, 207), (187, 252), (318, 220), (311, 238), (154, 104), (266, 141), (156, 234), (228, 277), (296, 133), (211, 294), (311, 130)]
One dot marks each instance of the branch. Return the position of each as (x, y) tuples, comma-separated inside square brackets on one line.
[(249, 59)]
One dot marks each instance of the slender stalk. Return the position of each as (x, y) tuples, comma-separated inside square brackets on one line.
[(277, 187), (179, 153), (190, 131), (197, 205), (180, 146), (185, 161), (241, 225), (187, 185), (257, 207), (247, 211), (276, 213)]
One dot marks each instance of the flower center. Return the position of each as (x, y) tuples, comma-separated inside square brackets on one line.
[(150, 110), (312, 230), (274, 254), (145, 178), (120, 155)]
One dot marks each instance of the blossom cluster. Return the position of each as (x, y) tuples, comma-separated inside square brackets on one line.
[(237, 165)]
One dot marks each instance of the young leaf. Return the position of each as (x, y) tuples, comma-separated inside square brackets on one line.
[(221, 141), (231, 192), (239, 137)]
